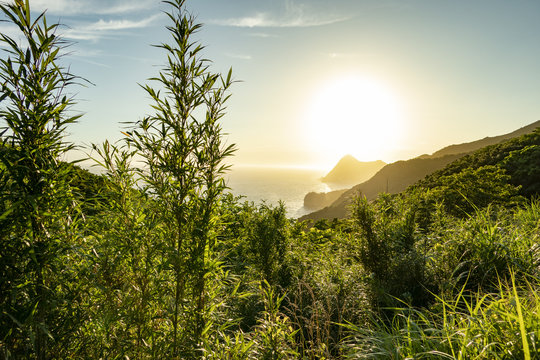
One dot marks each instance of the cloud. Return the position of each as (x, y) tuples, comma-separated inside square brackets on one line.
[(88, 31), (295, 15), (257, 20), (87, 53), (103, 7), (92, 62), (65, 7), (79, 29), (266, 20), (102, 28), (263, 35), (103, 25), (129, 6)]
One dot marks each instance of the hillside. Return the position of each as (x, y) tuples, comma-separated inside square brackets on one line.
[(392, 179), (519, 158), (350, 171), (478, 144), (396, 177)]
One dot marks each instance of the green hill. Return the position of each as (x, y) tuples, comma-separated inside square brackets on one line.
[(393, 178), (494, 174), (521, 158), (478, 144)]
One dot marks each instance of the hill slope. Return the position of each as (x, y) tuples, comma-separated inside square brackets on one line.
[(396, 177), (393, 178), (478, 144), (518, 157)]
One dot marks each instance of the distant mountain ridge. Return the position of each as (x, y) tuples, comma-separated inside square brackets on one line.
[(478, 144), (396, 177), (350, 171), (519, 157)]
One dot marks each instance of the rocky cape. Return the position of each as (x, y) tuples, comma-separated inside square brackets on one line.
[(347, 172), (315, 201), (350, 171)]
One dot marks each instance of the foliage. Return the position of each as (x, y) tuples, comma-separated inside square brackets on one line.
[(123, 265), (524, 165), (39, 297), (469, 189), (267, 240), (392, 250), (499, 325), (482, 249), (273, 335), (183, 153), (518, 158)]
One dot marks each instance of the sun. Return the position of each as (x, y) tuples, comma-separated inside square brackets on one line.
[(354, 115)]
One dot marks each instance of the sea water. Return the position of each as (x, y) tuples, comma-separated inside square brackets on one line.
[(273, 184)]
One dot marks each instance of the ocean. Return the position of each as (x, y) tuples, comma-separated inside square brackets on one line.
[(272, 184)]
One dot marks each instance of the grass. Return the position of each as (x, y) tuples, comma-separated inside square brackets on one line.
[(499, 325)]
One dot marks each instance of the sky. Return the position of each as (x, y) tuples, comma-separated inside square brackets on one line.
[(318, 79)]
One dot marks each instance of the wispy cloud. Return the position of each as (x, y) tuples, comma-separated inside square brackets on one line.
[(128, 6), (89, 31), (295, 15), (104, 7), (266, 20), (102, 28), (263, 35), (105, 25), (92, 62), (65, 7), (111, 16)]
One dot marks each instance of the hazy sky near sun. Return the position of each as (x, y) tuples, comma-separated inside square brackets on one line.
[(379, 79)]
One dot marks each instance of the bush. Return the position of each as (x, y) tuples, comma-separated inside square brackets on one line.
[(392, 250)]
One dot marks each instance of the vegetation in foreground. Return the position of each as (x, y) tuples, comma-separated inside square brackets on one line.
[(157, 261)]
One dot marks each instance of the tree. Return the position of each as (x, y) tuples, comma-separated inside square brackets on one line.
[(35, 196), (183, 151)]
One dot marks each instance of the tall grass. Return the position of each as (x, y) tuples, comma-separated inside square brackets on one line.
[(499, 325)]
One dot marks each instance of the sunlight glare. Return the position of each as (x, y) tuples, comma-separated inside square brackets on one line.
[(354, 115)]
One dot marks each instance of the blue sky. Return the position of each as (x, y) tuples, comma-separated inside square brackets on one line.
[(455, 70)]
